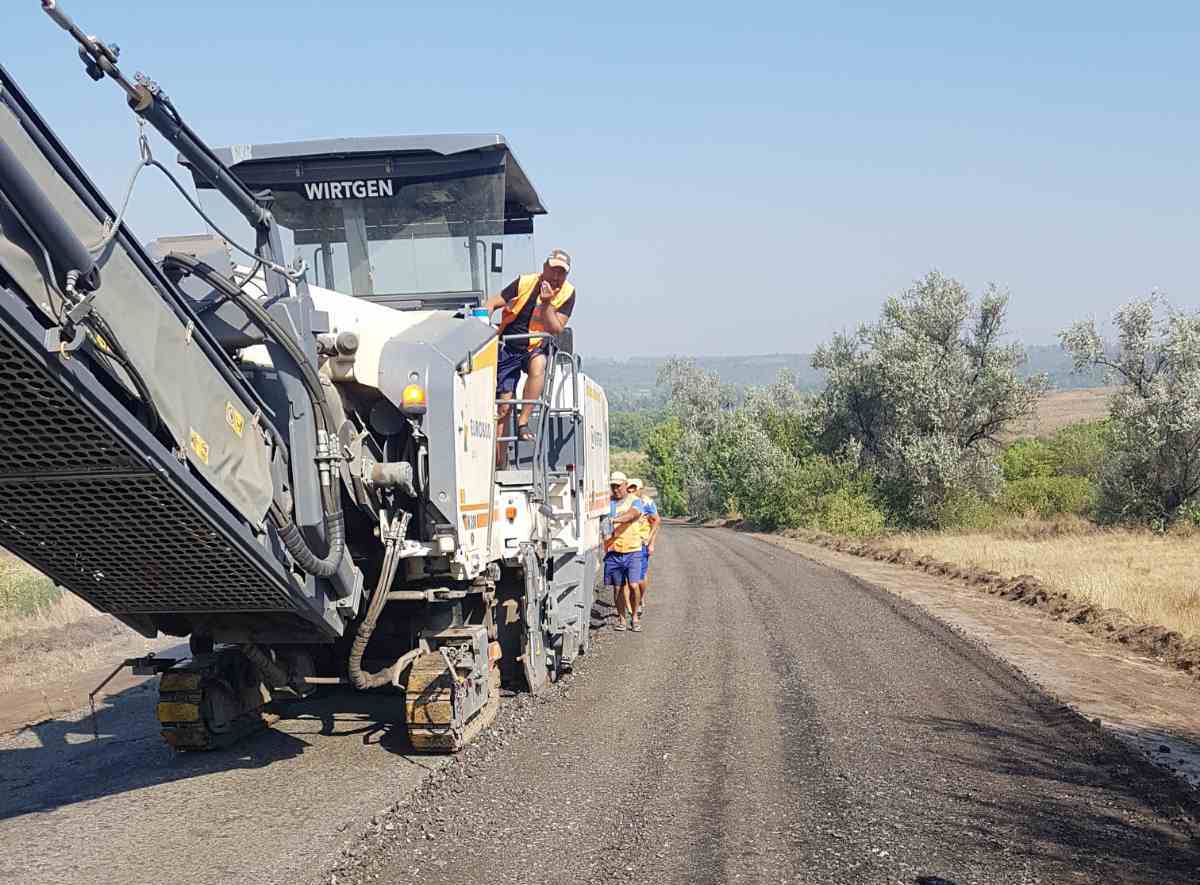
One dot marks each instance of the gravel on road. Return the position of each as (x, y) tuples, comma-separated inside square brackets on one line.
[(779, 721), (776, 721)]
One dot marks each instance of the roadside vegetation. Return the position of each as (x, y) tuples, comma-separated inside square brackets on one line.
[(1151, 576), (915, 434), (29, 601)]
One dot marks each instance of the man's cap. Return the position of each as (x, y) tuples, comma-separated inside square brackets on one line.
[(635, 482), (617, 477), (559, 258)]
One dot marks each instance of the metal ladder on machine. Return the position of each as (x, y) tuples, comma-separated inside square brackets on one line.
[(549, 436)]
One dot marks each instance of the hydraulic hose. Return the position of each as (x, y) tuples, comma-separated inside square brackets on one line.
[(289, 533), (276, 675), (335, 537), (259, 316), (361, 679)]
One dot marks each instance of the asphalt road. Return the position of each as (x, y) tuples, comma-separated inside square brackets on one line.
[(776, 721)]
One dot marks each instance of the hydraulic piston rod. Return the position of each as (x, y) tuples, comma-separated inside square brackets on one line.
[(148, 102)]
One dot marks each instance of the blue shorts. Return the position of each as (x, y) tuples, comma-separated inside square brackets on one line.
[(645, 562), (622, 568), (511, 364)]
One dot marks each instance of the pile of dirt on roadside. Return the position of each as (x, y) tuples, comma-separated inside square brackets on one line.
[(1168, 646)]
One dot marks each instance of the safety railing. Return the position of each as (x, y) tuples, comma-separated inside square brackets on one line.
[(545, 469)]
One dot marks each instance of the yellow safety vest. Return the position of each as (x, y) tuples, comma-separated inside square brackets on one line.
[(527, 287), (643, 524), (628, 537)]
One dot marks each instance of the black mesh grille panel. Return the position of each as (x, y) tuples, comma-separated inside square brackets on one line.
[(44, 430), (78, 504)]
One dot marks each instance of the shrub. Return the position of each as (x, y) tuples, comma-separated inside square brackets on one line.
[(965, 508), (1080, 449), (23, 591), (848, 512), (1047, 496), (1075, 450), (1026, 458)]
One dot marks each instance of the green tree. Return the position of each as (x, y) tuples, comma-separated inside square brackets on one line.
[(785, 415), (700, 405), (666, 470), (628, 430), (1152, 469), (924, 394)]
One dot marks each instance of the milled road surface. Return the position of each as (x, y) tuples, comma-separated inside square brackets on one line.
[(776, 721), (127, 810)]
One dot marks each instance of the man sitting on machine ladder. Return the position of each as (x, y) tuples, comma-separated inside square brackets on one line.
[(532, 303)]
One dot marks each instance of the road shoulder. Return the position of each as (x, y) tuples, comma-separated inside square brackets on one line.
[(1147, 705)]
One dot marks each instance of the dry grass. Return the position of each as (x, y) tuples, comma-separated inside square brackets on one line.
[(1060, 408), (1150, 577), (29, 601)]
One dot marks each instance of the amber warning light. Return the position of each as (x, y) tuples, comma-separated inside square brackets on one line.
[(413, 400)]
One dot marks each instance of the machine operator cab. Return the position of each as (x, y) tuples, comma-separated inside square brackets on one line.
[(399, 235), (411, 222)]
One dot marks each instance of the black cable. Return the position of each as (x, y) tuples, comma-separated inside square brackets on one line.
[(259, 316), (115, 351), (278, 268), (289, 533), (112, 348)]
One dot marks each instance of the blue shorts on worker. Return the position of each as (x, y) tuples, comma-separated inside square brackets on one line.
[(513, 361), (622, 568)]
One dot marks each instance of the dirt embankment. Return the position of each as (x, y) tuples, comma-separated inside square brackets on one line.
[(17, 651), (1168, 646), (50, 670)]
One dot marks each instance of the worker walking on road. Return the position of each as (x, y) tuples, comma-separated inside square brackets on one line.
[(539, 302), (648, 529), (623, 551)]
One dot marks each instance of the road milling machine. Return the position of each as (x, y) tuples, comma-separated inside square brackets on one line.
[(278, 438)]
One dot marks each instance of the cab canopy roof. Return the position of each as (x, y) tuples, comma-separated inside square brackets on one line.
[(290, 165)]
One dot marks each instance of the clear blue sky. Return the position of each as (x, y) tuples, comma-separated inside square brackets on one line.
[(744, 180)]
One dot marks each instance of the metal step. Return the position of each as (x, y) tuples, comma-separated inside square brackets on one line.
[(511, 478)]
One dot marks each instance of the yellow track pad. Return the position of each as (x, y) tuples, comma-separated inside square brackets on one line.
[(181, 681), (172, 712)]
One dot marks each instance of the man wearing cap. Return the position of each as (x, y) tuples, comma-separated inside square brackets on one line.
[(623, 551), (648, 529), (540, 302)]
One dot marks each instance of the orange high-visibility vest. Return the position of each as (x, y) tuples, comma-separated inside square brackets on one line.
[(527, 287)]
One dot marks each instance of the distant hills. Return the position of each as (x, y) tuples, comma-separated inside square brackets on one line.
[(632, 383)]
